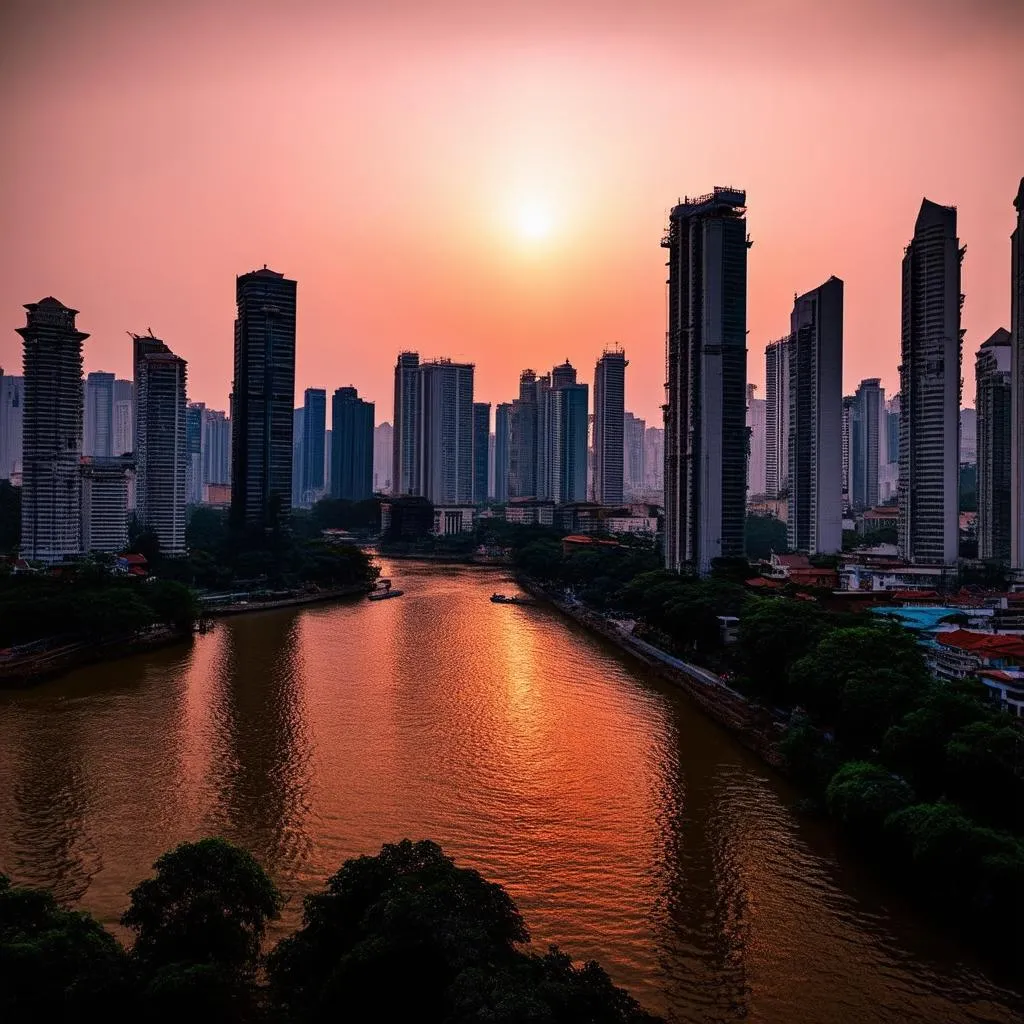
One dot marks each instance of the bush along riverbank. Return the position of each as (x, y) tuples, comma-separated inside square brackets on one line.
[(925, 777), (406, 935)]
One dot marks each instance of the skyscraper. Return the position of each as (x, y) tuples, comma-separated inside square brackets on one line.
[(543, 485), (314, 427), (351, 446), (383, 457), (502, 449), (194, 452), (445, 432), (105, 503), (161, 456), (99, 415), (776, 390), (216, 447), (609, 423), (633, 429), (814, 523), (481, 444), (968, 437), (849, 401), (568, 437), (51, 490), (522, 472), (865, 443), (705, 412), (263, 399), (654, 460), (12, 403), (1017, 377), (124, 417), (757, 460), (930, 390), (404, 471), (993, 399), (298, 438)]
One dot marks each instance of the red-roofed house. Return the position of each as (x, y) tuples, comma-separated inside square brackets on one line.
[(963, 653)]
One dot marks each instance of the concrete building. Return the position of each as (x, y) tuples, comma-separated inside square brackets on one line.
[(314, 429), (105, 503), (51, 490), (849, 401), (98, 438), (609, 422), (481, 450), (522, 471), (633, 455), (814, 523), (404, 466), (757, 459), (263, 399), (776, 411), (866, 417), (1017, 376), (124, 417), (968, 437), (568, 438), (502, 449), (216, 447), (993, 399), (194, 452), (12, 404), (705, 415), (298, 438), (654, 460), (930, 390), (383, 457), (161, 458), (351, 446), (444, 430)]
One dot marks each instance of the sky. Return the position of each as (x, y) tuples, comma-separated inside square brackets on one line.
[(490, 181)]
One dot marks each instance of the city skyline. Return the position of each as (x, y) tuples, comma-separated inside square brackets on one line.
[(492, 287)]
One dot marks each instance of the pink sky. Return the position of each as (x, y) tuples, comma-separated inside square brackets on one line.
[(383, 154)]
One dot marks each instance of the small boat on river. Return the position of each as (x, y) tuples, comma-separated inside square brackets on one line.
[(504, 599), (383, 591)]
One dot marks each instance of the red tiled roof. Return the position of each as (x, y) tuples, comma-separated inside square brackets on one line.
[(914, 595), (132, 558), (794, 561), (987, 644), (763, 581), (1001, 676)]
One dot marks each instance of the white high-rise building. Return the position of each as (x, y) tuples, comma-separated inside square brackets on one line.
[(216, 447), (1017, 377), (51, 490), (383, 457), (12, 404), (404, 479), (705, 418), (814, 522), (757, 460), (609, 421), (930, 390), (99, 415), (105, 503), (444, 432)]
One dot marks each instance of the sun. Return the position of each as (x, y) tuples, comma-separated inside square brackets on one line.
[(533, 221)]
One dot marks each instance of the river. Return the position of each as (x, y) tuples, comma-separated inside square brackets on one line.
[(627, 827)]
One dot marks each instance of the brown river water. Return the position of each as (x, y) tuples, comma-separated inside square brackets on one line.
[(627, 826)]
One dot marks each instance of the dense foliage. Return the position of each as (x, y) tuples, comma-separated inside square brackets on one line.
[(406, 935)]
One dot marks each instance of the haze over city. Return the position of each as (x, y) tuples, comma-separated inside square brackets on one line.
[(490, 183)]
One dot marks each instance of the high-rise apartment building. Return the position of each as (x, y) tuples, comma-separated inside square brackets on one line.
[(314, 429), (543, 483), (993, 400), (445, 432), (757, 458), (263, 396), (161, 455), (105, 503), (481, 446), (654, 459), (194, 413), (865, 443), (969, 437), (567, 437), (705, 412), (814, 523), (849, 401), (298, 439), (522, 474), (351, 445), (99, 415), (502, 450), (216, 447), (12, 404), (1017, 376), (383, 458), (609, 422), (633, 430), (930, 390), (776, 390), (51, 489), (124, 417), (404, 471)]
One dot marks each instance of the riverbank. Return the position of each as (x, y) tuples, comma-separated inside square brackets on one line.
[(21, 671), (313, 597), (755, 727)]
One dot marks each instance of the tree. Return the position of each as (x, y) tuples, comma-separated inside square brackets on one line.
[(986, 771), (208, 903), (541, 559), (207, 529), (763, 535), (862, 795), (56, 964), (172, 603), (773, 634)]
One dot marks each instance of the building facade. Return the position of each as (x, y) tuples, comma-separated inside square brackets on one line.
[(609, 423), (502, 450), (1017, 376), (968, 437), (930, 390), (866, 418), (481, 448), (12, 406), (161, 452), (404, 468), (216, 447), (654, 459), (776, 411), (314, 427), (705, 412), (994, 392), (194, 452), (263, 399), (351, 446), (568, 440), (51, 489), (98, 438), (522, 474), (124, 417), (105, 503), (633, 455), (814, 523), (383, 457), (757, 457), (445, 432)]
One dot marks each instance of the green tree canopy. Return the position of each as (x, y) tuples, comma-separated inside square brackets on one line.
[(862, 795)]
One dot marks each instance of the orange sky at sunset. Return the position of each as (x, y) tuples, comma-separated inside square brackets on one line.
[(490, 181)]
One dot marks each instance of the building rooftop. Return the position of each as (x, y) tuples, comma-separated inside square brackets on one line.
[(999, 337)]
